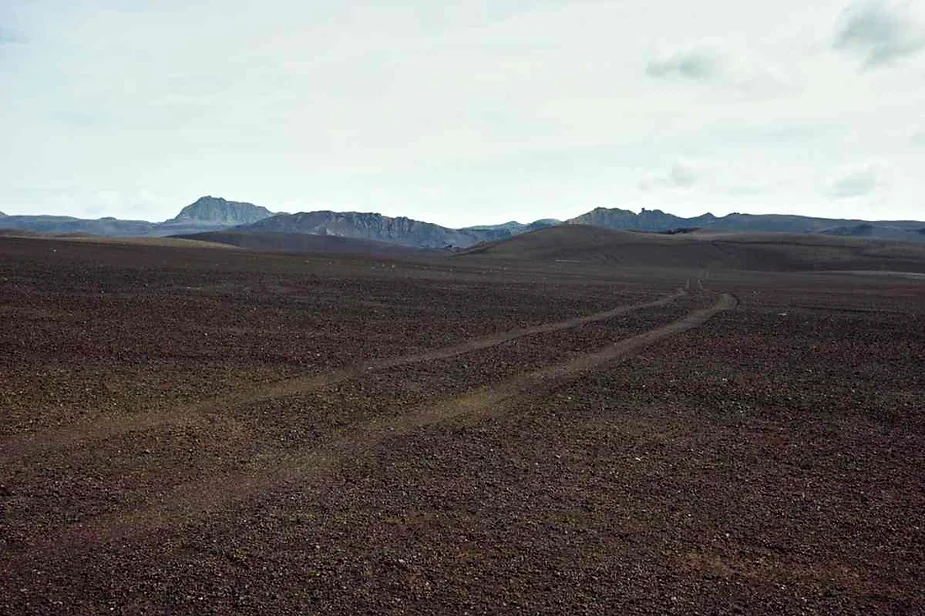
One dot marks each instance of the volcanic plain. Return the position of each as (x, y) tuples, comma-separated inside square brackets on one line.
[(195, 430)]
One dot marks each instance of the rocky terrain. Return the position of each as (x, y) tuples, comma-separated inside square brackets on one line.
[(195, 430)]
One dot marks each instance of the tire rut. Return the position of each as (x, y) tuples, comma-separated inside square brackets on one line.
[(195, 500), (102, 429)]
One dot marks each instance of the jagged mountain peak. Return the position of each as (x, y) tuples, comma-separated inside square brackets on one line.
[(209, 209)]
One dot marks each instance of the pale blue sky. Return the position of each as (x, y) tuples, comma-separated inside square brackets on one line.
[(473, 112)]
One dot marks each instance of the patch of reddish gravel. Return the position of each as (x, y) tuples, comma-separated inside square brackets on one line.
[(179, 435)]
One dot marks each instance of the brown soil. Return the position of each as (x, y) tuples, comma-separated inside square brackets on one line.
[(197, 431)]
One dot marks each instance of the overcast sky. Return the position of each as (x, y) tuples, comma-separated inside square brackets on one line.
[(463, 113)]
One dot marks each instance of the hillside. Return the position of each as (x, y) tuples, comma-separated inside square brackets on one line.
[(69, 224), (702, 250), (268, 241), (657, 220), (399, 230)]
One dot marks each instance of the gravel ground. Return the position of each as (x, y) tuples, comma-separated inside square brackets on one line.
[(203, 431)]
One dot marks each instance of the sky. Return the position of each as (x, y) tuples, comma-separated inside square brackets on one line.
[(463, 113)]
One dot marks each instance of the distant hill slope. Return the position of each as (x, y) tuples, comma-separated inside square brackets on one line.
[(515, 228), (745, 251), (107, 227), (205, 214), (880, 231), (400, 230), (216, 210), (646, 220), (68, 224), (84, 238), (269, 241), (657, 220)]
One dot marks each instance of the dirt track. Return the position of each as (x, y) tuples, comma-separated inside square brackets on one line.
[(672, 455), (36, 444), (192, 500)]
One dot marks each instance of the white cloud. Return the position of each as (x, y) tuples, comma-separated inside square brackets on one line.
[(717, 63), (881, 31), (681, 175), (10, 33), (702, 62), (709, 178), (859, 181)]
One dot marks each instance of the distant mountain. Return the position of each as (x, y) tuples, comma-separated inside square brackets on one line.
[(515, 228), (657, 220), (541, 224), (647, 220), (399, 230), (209, 213), (216, 214), (68, 224), (2, 215), (215, 210), (205, 214)]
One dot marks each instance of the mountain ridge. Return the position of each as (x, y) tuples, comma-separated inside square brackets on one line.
[(210, 213), (659, 221), (374, 226), (205, 214)]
